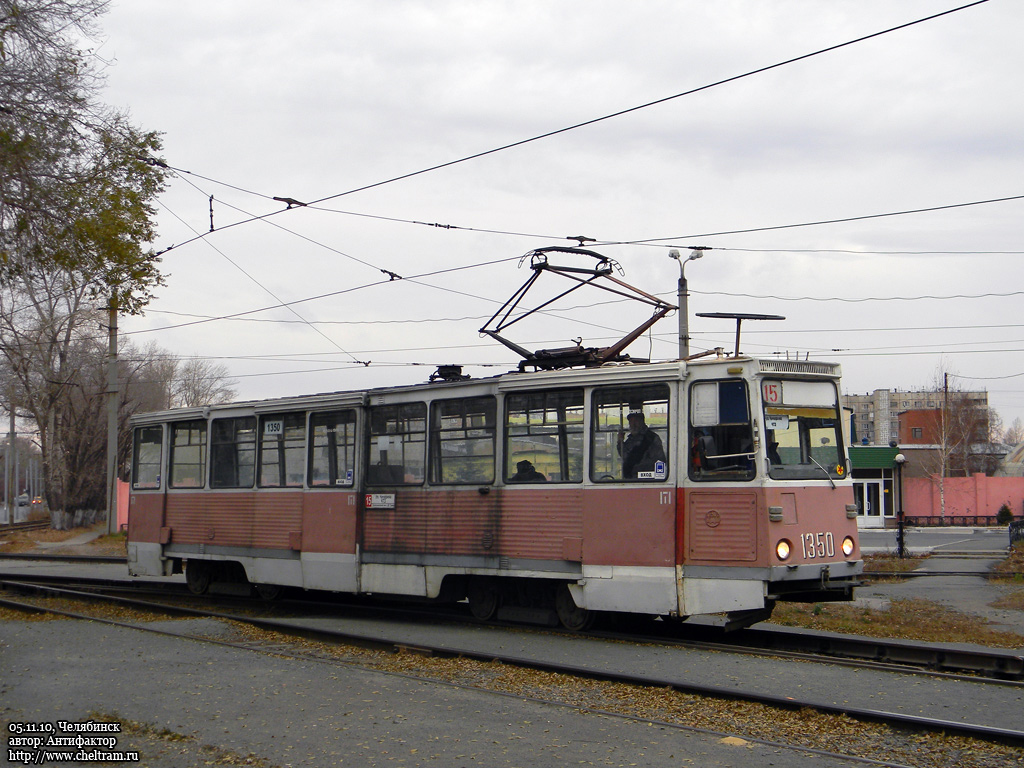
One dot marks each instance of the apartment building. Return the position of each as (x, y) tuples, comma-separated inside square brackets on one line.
[(875, 416)]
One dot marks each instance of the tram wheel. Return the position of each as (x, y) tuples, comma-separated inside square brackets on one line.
[(269, 591), (484, 598), (573, 617), (197, 576)]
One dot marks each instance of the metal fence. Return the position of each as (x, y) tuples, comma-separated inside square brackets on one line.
[(1016, 531), (956, 520)]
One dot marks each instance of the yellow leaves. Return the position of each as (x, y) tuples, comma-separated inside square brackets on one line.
[(735, 741), (913, 619)]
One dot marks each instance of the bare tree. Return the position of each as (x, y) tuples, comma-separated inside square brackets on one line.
[(161, 380), (201, 382), (44, 348), (1014, 433), (149, 376), (962, 430)]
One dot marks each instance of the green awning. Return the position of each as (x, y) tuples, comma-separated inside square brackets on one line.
[(872, 456)]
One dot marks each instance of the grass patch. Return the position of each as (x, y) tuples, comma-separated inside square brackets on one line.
[(109, 544), (912, 619), (1012, 602), (29, 541), (1011, 569), (26, 541), (888, 562)]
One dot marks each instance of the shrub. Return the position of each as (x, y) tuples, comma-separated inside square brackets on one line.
[(1004, 516)]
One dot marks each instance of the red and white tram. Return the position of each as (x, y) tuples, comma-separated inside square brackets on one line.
[(718, 485)]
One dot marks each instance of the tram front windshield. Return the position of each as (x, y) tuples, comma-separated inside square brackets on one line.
[(803, 431)]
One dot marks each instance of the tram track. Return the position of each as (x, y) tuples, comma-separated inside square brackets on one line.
[(290, 629), (953, 662), (950, 661), (62, 558), (25, 525)]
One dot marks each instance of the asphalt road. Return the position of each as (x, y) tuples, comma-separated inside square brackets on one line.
[(967, 554), (939, 541)]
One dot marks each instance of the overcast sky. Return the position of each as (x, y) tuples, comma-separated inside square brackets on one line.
[(309, 100)]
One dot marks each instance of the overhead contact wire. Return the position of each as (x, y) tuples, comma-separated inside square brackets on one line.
[(603, 118)]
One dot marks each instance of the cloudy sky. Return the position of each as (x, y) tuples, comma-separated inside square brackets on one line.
[(313, 99)]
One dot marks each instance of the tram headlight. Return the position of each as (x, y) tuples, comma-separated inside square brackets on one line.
[(782, 549), (848, 546)]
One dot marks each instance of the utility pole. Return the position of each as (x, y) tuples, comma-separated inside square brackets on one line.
[(112, 426), (944, 447), (16, 485), (8, 458), (681, 297)]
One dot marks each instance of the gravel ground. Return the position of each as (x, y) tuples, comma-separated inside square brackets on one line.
[(182, 685), (186, 704)]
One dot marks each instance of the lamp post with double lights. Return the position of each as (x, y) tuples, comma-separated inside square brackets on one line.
[(681, 295)]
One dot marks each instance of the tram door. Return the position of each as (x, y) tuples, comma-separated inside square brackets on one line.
[(869, 498)]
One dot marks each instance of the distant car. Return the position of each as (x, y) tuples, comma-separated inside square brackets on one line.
[(37, 501), (21, 501)]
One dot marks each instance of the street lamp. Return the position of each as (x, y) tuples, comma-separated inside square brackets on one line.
[(684, 331), (901, 549)]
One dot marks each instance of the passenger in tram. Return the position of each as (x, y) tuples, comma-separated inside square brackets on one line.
[(773, 448), (641, 449), (527, 473)]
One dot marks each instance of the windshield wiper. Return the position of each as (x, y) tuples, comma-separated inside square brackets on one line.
[(830, 480)]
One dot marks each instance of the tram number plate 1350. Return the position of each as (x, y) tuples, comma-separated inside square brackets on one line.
[(820, 544)]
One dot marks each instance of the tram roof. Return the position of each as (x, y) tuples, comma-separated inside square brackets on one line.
[(504, 382)]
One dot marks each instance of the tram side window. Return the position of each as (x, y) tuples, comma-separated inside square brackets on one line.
[(721, 435), (282, 450), (544, 437), (146, 455), (332, 449), (629, 436), (233, 452), (462, 440), (188, 454), (397, 444)]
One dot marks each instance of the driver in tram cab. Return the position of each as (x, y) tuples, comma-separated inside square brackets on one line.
[(641, 448)]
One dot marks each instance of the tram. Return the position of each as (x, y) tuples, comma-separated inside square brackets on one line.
[(717, 485)]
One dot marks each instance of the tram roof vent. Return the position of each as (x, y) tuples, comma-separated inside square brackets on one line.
[(449, 373), (799, 366)]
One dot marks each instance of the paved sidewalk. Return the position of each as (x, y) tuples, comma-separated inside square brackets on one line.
[(82, 538)]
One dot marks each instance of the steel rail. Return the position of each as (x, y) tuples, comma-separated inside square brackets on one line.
[(53, 558), (920, 723), (25, 525), (998, 664)]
